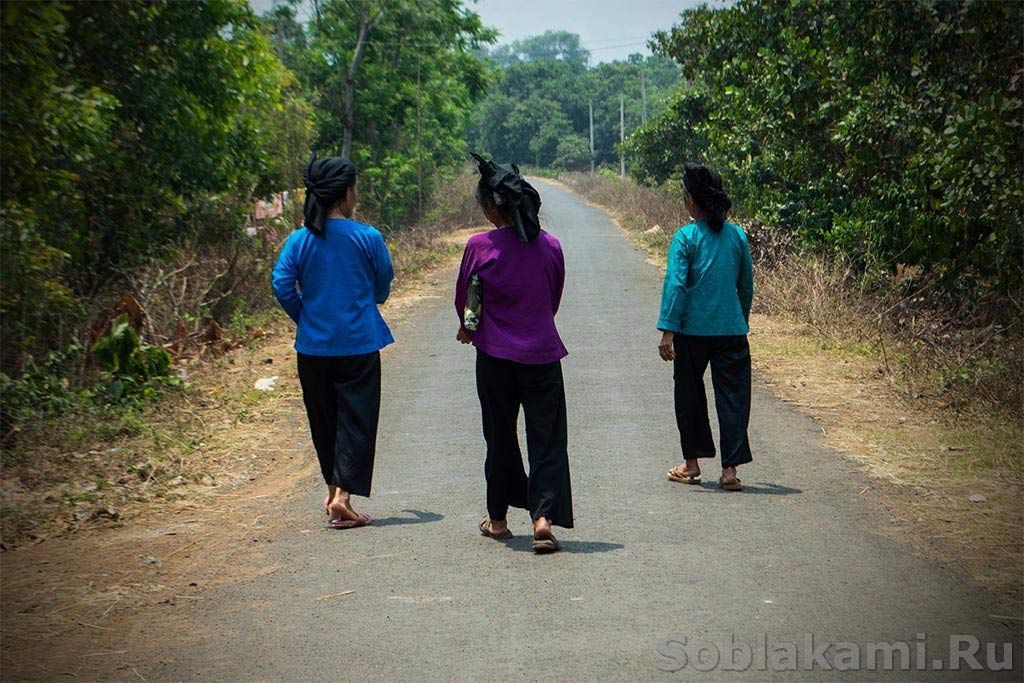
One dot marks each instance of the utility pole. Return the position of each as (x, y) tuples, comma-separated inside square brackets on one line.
[(419, 138), (643, 99), (591, 134), (622, 134)]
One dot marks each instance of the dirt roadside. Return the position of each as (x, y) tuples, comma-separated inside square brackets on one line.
[(91, 603)]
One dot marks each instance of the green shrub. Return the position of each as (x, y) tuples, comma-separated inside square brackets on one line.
[(135, 369)]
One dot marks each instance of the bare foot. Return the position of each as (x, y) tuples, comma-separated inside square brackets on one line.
[(729, 480), (341, 506), (543, 540)]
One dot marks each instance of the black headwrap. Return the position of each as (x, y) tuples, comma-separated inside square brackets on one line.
[(705, 186), (327, 181), (513, 195)]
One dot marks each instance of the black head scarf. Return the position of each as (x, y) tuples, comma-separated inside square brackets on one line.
[(705, 186), (327, 181), (513, 195)]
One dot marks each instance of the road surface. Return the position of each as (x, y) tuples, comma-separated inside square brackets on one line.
[(652, 570)]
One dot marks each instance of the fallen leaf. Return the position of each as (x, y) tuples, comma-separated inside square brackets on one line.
[(334, 595)]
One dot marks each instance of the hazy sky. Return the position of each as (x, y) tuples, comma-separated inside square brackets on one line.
[(610, 29)]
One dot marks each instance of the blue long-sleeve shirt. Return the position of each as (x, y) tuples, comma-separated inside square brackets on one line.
[(331, 287), (709, 282)]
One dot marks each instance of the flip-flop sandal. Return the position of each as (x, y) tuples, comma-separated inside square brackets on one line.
[(485, 529), (675, 474), (734, 485), (546, 544), (342, 523)]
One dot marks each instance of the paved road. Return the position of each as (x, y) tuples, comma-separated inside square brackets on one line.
[(648, 562)]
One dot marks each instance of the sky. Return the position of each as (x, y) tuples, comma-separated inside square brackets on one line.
[(610, 29)]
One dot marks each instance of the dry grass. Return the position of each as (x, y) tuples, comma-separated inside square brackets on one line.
[(924, 393), (960, 355)]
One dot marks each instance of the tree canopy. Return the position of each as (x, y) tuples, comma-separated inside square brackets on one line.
[(131, 127), (127, 128), (892, 133), (537, 111)]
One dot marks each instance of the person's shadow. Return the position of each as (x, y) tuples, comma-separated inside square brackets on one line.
[(420, 517), (760, 488), (524, 543)]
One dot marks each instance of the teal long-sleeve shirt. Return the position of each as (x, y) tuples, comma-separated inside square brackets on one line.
[(709, 282)]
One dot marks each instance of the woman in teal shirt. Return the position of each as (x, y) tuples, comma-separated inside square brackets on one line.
[(705, 311)]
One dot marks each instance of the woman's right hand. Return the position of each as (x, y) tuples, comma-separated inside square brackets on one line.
[(665, 348), (463, 335)]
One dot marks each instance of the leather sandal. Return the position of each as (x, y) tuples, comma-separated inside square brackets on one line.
[(485, 529), (680, 475)]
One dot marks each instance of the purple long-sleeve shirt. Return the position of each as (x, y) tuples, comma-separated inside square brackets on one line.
[(522, 287)]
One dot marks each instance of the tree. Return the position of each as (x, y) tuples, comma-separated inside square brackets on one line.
[(573, 153), (893, 133), (413, 93), (549, 69), (127, 128), (560, 46)]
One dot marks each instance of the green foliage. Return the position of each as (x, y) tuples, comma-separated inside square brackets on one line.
[(35, 298), (41, 391), (135, 368), (128, 128), (573, 153), (543, 93), (891, 132), (551, 46), (414, 89)]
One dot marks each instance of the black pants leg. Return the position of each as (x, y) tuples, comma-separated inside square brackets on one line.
[(691, 402), (503, 386), (729, 357), (499, 407), (730, 375), (542, 392), (342, 397)]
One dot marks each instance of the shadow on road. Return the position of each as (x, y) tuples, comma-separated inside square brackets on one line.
[(421, 517), (761, 487), (525, 544)]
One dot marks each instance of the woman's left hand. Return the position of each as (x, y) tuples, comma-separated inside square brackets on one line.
[(665, 348), (463, 335)]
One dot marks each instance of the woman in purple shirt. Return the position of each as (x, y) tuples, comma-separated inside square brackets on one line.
[(520, 270)]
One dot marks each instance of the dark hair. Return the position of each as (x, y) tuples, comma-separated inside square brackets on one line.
[(327, 181), (515, 199), (486, 196), (704, 187)]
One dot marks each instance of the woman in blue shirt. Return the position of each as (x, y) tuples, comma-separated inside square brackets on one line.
[(705, 311), (331, 275)]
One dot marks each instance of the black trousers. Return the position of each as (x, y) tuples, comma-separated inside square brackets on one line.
[(729, 358), (503, 386), (342, 397)]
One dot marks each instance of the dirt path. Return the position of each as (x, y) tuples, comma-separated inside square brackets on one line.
[(420, 595)]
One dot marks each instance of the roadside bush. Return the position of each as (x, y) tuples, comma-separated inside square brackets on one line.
[(135, 369)]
